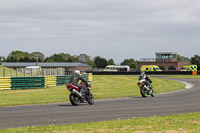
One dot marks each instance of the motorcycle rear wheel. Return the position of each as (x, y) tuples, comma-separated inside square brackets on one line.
[(74, 99), (90, 99), (143, 92)]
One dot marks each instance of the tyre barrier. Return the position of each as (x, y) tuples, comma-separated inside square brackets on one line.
[(14, 83), (27, 82), (63, 80), (50, 81), (90, 77), (5, 83)]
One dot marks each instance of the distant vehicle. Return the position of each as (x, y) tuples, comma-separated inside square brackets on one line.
[(115, 68), (189, 68), (32, 68), (148, 68)]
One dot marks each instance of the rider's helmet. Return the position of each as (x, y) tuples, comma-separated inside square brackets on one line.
[(77, 72), (143, 75)]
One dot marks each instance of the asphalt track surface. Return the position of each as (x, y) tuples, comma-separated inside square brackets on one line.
[(184, 101)]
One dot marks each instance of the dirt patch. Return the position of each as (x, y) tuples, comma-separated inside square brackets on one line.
[(168, 131), (100, 131), (127, 128), (197, 122), (70, 131)]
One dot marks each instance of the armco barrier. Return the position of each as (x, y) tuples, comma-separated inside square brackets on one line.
[(27, 82), (138, 72), (5, 83)]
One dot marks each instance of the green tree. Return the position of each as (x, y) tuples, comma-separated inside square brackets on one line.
[(182, 58), (36, 57), (111, 62), (58, 58), (49, 59), (91, 63), (61, 57), (130, 62), (2, 59), (84, 58), (65, 56), (16, 56), (73, 58), (196, 61), (100, 62)]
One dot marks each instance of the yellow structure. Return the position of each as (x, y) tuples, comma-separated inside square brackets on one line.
[(148, 68)]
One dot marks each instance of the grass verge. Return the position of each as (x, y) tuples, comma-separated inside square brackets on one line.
[(103, 87), (184, 123)]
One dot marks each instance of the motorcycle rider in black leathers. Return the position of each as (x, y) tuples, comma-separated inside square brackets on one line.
[(147, 81), (75, 79)]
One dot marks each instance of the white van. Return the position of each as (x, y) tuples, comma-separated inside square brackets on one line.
[(115, 68)]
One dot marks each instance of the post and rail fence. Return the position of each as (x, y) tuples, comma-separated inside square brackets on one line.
[(10, 72)]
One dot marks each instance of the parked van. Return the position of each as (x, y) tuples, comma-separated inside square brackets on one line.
[(33, 69), (150, 68), (189, 68), (115, 68)]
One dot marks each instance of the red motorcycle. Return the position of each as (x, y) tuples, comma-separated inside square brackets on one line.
[(77, 97)]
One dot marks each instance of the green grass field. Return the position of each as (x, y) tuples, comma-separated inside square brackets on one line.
[(103, 87), (184, 123)]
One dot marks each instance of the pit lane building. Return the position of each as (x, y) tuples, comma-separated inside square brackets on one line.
[(167, 61)]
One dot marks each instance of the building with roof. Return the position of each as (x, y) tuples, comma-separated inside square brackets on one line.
[(48, 68), (167, 61)]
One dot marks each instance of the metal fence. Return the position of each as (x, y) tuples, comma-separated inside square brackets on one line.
[(9, 72)]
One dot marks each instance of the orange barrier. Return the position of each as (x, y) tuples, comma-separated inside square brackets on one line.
[(194, 72)]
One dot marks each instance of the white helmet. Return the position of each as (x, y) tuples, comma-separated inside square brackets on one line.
[(77, 72)]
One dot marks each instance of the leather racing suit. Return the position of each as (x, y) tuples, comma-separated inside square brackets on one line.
[(75, 79)]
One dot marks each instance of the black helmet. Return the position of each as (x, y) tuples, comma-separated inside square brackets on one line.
[(143, 74)]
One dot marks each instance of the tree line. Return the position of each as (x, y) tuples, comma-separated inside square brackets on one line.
[(96, 62)]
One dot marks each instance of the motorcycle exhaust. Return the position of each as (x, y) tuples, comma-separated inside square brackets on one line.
[(147, 88), (78, 94)]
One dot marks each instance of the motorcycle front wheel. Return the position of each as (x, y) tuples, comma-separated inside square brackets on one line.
[(90, 99), (74, 99), (153, 94), (143, 92)]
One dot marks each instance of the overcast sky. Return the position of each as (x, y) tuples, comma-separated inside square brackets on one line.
[(117, 29)]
